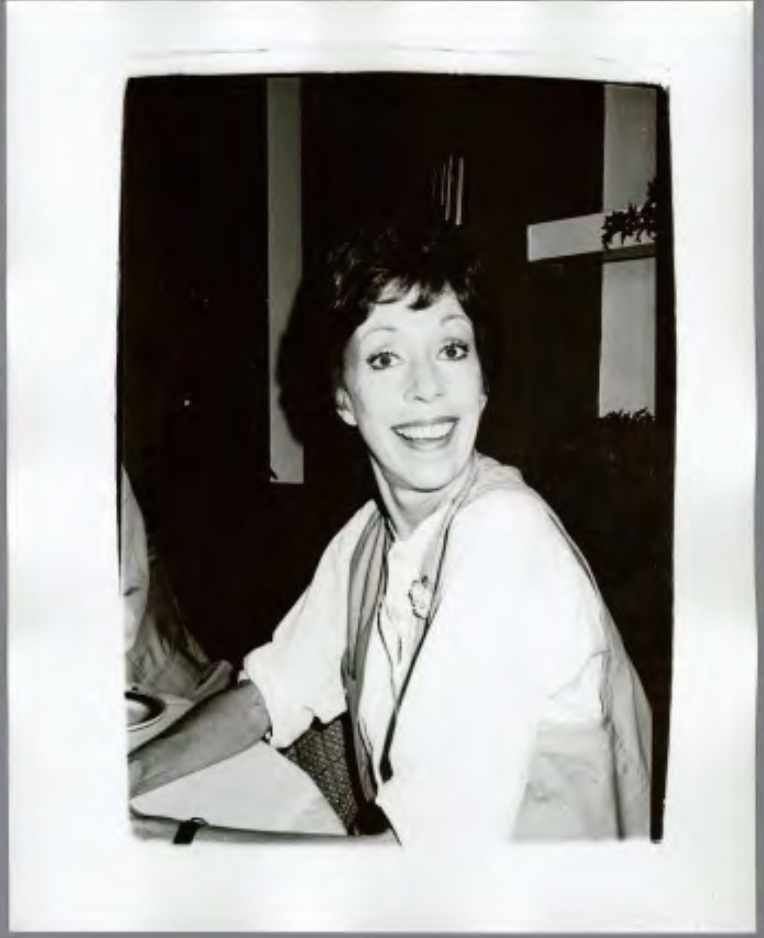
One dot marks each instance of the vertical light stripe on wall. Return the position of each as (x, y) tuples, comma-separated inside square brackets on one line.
[(284, 255), (627, 355)]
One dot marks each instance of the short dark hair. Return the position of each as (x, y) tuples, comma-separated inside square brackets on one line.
[(386, 264), (373, 265)]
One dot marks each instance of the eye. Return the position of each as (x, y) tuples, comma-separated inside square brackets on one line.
[(455, 350), (379, 361)]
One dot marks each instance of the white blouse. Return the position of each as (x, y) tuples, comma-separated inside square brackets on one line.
[(516, 640), (393, 640)]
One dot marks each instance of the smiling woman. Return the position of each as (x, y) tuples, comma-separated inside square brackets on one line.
[(453, 619), (413, 386)]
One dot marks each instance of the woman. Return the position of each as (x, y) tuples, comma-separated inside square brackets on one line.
[(489, 692)]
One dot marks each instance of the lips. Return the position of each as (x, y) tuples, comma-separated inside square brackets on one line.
[(426, 432)]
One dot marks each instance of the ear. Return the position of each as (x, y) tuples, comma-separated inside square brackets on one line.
[(483, 399), (344, 406)]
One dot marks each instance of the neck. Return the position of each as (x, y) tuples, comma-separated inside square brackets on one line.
[(408, 508)]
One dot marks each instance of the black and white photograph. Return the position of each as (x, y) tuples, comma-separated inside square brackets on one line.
[(411, 312), (403, 462)]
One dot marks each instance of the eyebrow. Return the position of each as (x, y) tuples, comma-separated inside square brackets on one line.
[(448, 317), (376, 329)]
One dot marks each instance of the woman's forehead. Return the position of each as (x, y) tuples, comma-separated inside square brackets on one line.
[(401, 309)]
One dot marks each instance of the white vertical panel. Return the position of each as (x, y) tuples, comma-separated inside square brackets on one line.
[(284, 254), (630, 117), (627, 355), (627, 363)]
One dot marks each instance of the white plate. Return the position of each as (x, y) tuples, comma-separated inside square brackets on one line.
[(142, 709)]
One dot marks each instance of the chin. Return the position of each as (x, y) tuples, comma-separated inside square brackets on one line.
[(432, 478)]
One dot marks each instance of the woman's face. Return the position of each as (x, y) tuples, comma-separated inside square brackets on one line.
[(413, 386)]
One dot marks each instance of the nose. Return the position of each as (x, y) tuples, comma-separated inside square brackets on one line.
[(425, 381)]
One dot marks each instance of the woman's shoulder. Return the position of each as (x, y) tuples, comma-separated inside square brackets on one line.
[(506, 516), (501, 498), (346, 539), (509, 536), (335, 560)]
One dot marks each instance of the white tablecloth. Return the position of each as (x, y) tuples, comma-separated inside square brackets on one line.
[(258, 789)]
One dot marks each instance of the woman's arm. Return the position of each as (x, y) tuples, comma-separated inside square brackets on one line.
[(218, 728)]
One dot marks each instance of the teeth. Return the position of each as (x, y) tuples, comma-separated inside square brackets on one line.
[(430, 431)]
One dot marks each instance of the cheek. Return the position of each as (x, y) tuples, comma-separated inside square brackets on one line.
[(374, 409), (474, 386), (375, 391)]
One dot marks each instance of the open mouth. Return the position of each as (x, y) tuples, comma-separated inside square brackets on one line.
[(427, 433)]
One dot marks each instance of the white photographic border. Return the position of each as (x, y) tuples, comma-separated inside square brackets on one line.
[(73, 862)]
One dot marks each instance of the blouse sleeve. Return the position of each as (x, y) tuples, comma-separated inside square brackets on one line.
[(299, 671), (517, 622)]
